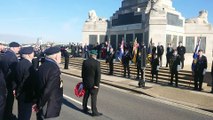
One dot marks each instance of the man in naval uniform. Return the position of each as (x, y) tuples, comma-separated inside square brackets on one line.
[(9, 62), (26, 83), (50, 86)]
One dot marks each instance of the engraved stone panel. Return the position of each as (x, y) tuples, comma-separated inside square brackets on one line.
[(181, 39), (174, 20), (129, 38), (139, 37), (120, 37), (113, 41), (126, 19), (202, 43), (92, 39), (102, 38), (190, 44), (174, 41), (168, 39)]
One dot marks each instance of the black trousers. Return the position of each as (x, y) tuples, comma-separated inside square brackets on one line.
[(111, 67), (167, 60), (35, 63), (198, 77), (2, 104), (86, 54), (139, 70), (126, 67), (66, 65), (212, 84), (182, 61), (176, 78), (8, 112), (160, 59), (93, 92), (24, 109), (156, 75)]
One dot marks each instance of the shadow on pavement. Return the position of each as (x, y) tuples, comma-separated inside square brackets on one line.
[(70, 105)]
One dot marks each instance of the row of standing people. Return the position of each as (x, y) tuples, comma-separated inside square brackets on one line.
[(40, 90), (175, 61)]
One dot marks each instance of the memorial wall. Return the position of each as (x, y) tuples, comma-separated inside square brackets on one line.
[(151, 19)]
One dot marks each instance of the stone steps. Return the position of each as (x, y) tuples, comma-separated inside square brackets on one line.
[(185, 77)]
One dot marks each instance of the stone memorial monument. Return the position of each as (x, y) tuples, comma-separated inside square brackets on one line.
[(94, 30), (152, 19)]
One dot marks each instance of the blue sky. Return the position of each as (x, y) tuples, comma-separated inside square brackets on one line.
[(62, 20)]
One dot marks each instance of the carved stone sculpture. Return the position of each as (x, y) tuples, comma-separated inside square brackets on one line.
[(92, 17), (201, 19)]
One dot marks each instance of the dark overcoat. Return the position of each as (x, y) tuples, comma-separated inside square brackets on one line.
[(91, 73), (26, 80), (50, 87)]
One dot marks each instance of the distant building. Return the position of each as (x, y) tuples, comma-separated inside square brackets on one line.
[(157, 20)]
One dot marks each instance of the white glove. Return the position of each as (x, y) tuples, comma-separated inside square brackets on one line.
[(158, 67), (178, 68), (204, 71)]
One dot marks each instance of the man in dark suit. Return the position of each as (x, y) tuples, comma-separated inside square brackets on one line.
[(153, 49), (26, 83), (3, 94), (200, 70), (174, 67), (35, 60), (3, 88), (9, 62), (125, 61), (181, 52), (169, 52), (138, 63), (160, 51), (91, 75), (110, 59), (66, 57), (50, 86)]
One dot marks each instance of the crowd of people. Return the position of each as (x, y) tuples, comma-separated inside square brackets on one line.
[(175, 58), (35, 88), (32, 75)]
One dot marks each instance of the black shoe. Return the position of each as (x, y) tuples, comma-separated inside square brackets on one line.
[(200, 89), (195, 89), (86, 110), (170, 84), (96, 114)]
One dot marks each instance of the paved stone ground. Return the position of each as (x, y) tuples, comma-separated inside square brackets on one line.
[(184, 96)]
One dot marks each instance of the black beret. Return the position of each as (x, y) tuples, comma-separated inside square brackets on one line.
[(14, 44), (26, 50), (52, 50)]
